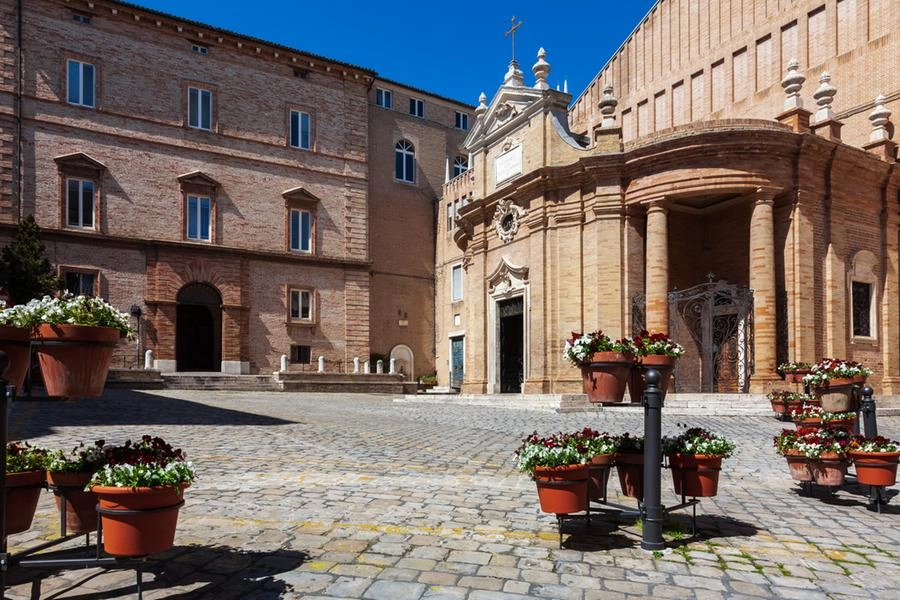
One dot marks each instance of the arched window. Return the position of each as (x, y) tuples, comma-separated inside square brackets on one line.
[(405, 161), (460, 165)]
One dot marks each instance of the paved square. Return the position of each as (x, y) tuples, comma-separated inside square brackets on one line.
[(356, 496)]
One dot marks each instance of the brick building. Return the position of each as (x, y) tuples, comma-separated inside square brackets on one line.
[(703, 184), (233, 192)]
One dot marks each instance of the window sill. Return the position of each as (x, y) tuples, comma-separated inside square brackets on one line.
[(864, 341), (404, 182), (292, 323)]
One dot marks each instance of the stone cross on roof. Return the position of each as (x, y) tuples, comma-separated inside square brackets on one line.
[(512, 33)]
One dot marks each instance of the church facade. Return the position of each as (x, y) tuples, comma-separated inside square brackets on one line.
[(741, 194)]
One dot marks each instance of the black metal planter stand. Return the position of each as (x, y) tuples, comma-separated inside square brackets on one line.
[(30, 557)]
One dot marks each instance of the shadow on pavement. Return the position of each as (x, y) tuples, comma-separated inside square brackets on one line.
[(37, 417), (203, 572)]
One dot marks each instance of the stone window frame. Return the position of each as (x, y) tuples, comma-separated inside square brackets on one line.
[(863, 270), (462, 120), (301, 199), (417, 107), (454, 268), (289, 127), (187, 86), (199, 184), (82, 60), (290, 290), (408, 150), (81, 167), (384, 98), (64, 270)]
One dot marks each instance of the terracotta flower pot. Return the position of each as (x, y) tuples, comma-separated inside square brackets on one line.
[(697, 475), (799, 467), (829, 469), (23, 490), (15, 341), (599, 468), (74, 359), (848, 425), (836, 396), (661, 362), (875, 468), (808, 423), (797, 376), (562, 490), (81, 506), (606, 375), (138, 521), (630, 468)]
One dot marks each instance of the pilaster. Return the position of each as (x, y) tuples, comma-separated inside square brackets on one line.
[(762, 282), (657, 284)]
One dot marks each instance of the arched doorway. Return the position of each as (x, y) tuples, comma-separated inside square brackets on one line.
[(403, 360), (198, 328)]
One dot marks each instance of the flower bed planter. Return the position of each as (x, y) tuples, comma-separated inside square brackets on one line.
[(81, 506), (138, 521), (695, 475), (606, 375), (875, 468), (74, 359), (15, 342), (562, 490), (23, 490)]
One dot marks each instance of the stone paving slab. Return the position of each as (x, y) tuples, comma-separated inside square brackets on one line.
[(356, 496)]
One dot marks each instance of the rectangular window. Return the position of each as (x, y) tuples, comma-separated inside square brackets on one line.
[(301, 230), (300, 355), (80, 284), (79, 203), (81, 83), (199, 49), (449, 218), (462, 120), (417, 108), (301, 130), (198, 218), (200, 109), (862, 309), (83, 19), (301, 305), (384, 98), (457, 283)]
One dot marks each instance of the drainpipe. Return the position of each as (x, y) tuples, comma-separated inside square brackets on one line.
[(17, 117)]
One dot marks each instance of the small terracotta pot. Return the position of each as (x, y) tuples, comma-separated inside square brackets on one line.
[(23, 490), (138, 521), (562, 490), (599, 468), (837, 395), (799, 467), (875, 468), (15, 342), (605, 376), (630, 468), (829, 469), (697, 475), (81, 506)]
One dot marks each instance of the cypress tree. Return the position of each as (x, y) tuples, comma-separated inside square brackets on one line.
[(25, 266)]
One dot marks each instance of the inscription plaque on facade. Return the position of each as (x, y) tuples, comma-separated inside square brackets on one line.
[(508, 164)]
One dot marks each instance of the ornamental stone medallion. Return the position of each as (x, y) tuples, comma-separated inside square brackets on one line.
[(506, 219)]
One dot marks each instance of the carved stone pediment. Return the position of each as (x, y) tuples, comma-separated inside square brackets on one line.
[(507, 278), (299, 194), (198, 179), (79, 161)]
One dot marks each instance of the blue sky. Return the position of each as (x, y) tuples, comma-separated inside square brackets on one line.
[(455, 49)]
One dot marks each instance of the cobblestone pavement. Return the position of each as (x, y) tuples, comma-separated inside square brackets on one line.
[(355, 496)]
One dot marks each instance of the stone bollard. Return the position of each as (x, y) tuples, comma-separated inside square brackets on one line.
[(379, 367), (321, 364), (148, 359), (367, 367), (284, 363), (393, 366), (356, 364)]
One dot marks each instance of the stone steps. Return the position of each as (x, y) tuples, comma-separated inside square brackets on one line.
[(218, 381)]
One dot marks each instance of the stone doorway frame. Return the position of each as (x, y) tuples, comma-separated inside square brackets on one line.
[(508, 281)]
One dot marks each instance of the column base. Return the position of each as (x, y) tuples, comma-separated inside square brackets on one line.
[(764, 383), (890, 386)]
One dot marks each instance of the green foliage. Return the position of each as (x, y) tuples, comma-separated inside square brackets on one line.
[(23, 261), (22, 457)]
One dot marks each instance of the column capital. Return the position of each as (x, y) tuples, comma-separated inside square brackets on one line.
[(658, 205), (765, 195)]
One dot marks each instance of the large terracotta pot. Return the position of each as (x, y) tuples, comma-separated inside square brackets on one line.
[(138, 521), (81, 506), (829, 469), (74, 359), (23, 490), (630, 468), (837, 395), (15, 341), (562, 490), (875, 468), (662, 363), (799, 467), (606, 375), (599, 469), (696, 476)]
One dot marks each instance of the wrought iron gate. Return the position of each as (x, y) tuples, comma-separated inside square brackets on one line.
[(719, 317)]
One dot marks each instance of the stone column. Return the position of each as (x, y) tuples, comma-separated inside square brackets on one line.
[(762, 282), (657, 273)]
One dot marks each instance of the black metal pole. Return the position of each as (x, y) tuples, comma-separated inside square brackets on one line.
[(867, 407), (5, 393), (653, 510)]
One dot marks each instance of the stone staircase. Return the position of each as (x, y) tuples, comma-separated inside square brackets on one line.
[(218, 381)]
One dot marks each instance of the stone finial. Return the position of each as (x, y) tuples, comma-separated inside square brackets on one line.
[(824, 96), (608, 105), (514, 75), (792, 83), (541, 69), (880, 117), (482, 106)]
